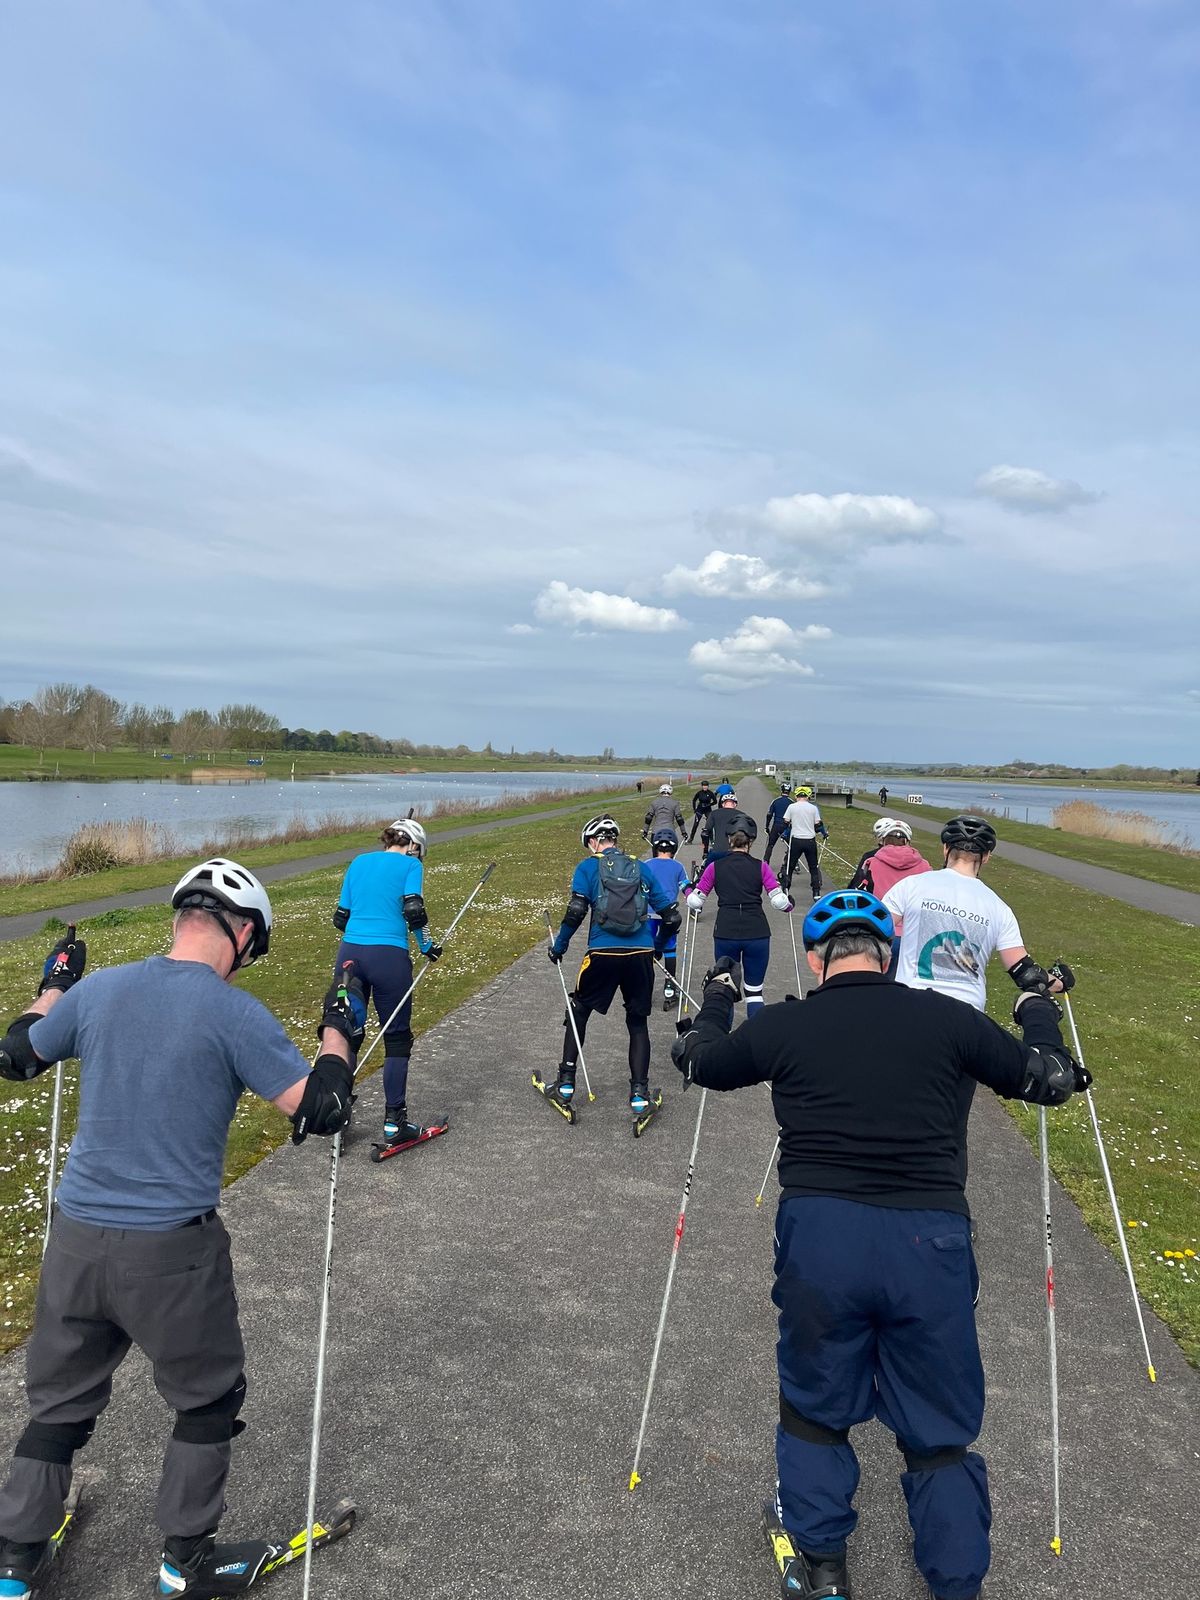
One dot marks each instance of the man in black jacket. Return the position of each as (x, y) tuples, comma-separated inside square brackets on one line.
[(725, 821), (875, 1282), (702, 803)]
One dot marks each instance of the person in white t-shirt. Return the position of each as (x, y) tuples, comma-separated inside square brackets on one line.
[(950, 924), (804, 820)]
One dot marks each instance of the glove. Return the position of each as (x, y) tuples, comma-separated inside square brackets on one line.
[(727, 974), (555, 954), (695, 901), (347, 1013), (791, 903), (679, 1054), (434, 953), (1083, 1078), (823, 831), (64, 965), (1063, 973), (340, 918)]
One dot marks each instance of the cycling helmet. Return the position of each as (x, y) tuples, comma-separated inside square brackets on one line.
[(597, 826), (729, 799), (414, 832), (220, 885), (805, 791), (664, 788), (664, 839), (973, 834), (895, 825), (883, 825), (785, 788), (847, 911)]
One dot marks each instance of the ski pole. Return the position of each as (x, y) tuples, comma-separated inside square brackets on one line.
[(767, 1173), (1112, 1196), (55, 1125), (1051, 1331), (681, 964), (795, 955), (335, 1154), (587, 1082), (635, 1476)]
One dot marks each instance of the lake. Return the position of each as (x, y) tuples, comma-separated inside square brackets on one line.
[(36, 819)]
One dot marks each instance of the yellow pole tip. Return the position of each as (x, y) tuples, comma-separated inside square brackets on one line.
[(758, 1199), (1153, 1374), (634, 1479), (1056, 1545), (591, 1097)]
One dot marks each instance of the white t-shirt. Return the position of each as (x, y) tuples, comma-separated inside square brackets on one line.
[(802, 817), (952, 924)]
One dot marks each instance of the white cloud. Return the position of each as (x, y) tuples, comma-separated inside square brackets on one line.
[(756, 652), (1027, 489), (823, 519), (522, 628), (592, 608), (727, 576)]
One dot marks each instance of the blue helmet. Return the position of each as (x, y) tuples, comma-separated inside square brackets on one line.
[(847, 911)]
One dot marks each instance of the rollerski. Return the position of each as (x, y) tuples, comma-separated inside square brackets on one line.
[(559, 1094), (802, 1577), (399, 1134), (644, 1103)]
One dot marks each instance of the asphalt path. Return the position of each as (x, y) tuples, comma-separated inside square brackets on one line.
[(495, 1296), (19, 927), (1180, 904)]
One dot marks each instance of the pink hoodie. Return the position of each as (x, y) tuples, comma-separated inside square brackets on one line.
[(893, 862)]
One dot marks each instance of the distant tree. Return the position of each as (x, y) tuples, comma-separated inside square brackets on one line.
[(323, 740), (246, 727), (8, 723), (191, 732), (711, 758), (139, 727), (732, 760), (45, 721), (164, 720), (96, 725)]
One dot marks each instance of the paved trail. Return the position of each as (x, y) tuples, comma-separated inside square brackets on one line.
[(495, 1299)]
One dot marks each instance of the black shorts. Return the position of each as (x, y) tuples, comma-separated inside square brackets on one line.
[(605, 971)]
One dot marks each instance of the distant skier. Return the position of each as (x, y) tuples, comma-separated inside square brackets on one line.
[(664, 812), (742, 931), (775, 825), (703, 802), (875, 1277), (674, 881), (883, 794), (893, 858), (727, 820), (804, 820)]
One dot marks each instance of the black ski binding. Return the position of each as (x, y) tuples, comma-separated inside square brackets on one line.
[(800, 1578), (643, 1119), (550, 1094), (339, 1524)]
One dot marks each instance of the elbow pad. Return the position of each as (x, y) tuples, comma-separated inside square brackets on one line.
[(670, 919), (340, 918), (1026, 974), (415, 913), (328, 1096), (1051, 1077), (578, 907), (18, 1061)]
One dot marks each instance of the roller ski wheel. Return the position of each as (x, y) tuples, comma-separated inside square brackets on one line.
[(552, 1095), (409, 1136), (25, 1567), (799, 1577), (210, 1569), (644, 1107)]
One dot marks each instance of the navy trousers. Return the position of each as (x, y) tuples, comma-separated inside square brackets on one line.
[(386, 973), (876, 1319)]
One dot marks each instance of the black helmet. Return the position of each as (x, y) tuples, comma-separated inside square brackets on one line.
[(664, 839), (785, 788), (974, 834)]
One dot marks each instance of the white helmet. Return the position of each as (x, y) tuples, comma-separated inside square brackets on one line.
[(896, 826), (598, 825), (882, 826), (220, 885), (414, 832), (664, 788)]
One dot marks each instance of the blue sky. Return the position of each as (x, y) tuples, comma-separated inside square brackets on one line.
[(668, 377)]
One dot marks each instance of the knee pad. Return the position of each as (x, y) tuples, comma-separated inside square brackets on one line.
[(215, 1423), (399, 1043), (55, 1442), (801, 1427), (931, 1460)]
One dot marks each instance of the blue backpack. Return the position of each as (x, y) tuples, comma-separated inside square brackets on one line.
[(622, 903)]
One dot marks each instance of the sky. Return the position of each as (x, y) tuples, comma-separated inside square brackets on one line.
[(790, 378)]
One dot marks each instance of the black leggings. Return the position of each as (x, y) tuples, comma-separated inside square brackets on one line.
[(639, 1043), (808, 849)]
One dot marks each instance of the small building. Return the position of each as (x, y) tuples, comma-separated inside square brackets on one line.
[(770, 769)]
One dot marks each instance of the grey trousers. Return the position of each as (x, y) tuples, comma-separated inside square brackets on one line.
[(101, 1291)]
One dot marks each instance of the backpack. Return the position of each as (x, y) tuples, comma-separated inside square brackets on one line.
[(622, 903)]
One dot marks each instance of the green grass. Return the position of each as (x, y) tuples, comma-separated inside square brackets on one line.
[(1137, 1006), (24, 762), (18, 899), (533, 871), (1140, 861)]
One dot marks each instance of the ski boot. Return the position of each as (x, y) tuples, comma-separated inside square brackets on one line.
[(643, 1102), (201, 1568), (401, 1134), (24, 1566), (670, 995), (801, 1576), (561, 1093)]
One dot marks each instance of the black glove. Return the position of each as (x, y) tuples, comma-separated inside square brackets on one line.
[(1083, 1078), (64, 965), (340, 918), (555, 954), (728, 974), (347, 1013), (1063, 973), (434, 953), (679, 1051)]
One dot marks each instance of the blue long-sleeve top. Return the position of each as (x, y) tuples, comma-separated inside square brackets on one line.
[(586, 882), (373, 892)]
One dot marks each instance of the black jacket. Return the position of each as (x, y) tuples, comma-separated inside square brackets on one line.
[(872, 1083), (727, 820), (703, 801)]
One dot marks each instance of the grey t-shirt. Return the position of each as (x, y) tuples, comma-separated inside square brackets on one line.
[(167, 1048)]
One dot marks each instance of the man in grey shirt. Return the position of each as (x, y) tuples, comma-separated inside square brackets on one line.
[(137, 1252)]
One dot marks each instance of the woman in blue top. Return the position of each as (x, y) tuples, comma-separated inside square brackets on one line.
[(380, 907)]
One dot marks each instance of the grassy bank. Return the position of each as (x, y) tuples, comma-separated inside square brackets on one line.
[(1139, 1021), (532, 872), (16, 899), (1140, 861), (24, 762)]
